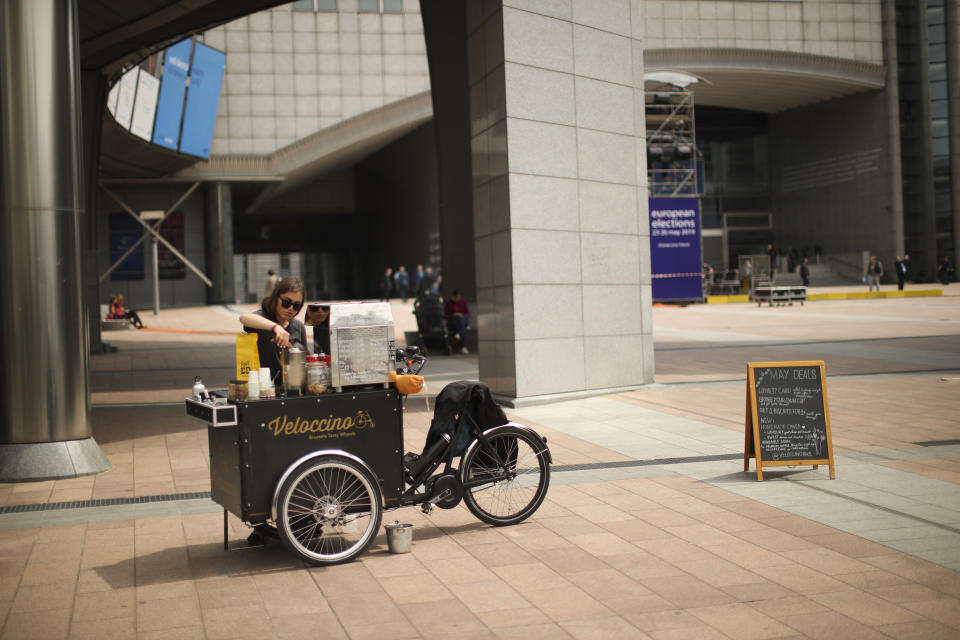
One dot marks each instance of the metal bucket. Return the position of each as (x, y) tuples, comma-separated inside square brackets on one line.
[(399, 537)]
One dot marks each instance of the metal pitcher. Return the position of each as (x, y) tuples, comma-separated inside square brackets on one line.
[(294, 362)]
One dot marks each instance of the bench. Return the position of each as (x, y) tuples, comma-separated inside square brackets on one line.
[(112, 324), (723, 287), (779, 295)]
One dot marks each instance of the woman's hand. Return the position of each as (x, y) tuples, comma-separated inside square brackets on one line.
[(281, 337)]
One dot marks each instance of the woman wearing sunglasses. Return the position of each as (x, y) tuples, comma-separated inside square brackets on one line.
[(276, 325)]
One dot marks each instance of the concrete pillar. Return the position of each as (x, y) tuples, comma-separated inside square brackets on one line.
[(44, 399), (218, 231), (953, 87), (443, 24), (559, 197), (94, 88), (895, 175)]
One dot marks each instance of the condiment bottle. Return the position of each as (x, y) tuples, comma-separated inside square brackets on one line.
[(315, 380), (199, 390)]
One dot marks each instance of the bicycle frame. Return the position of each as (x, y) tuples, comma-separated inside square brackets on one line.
[(445, 457)]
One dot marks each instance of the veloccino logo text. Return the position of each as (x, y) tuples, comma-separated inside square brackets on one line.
[(282, 425)]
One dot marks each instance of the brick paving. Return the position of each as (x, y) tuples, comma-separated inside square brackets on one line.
[(662, 549)]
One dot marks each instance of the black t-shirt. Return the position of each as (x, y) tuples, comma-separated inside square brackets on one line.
[(269, 352)]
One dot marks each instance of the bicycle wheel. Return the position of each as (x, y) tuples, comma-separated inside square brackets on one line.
[(515, 475), (329, 510)]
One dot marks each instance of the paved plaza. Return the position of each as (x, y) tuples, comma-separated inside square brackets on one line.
[(650, 529)]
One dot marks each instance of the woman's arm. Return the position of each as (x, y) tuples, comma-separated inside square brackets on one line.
[(255, 321)]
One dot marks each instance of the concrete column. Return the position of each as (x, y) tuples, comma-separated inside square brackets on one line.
[(559, 197), (218, 231), (44, 399), (953, 87), (443, 24), (94, 88), (895, 175)]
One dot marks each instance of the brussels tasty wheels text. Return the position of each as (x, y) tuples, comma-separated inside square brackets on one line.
[(329, 510), (506, 478)]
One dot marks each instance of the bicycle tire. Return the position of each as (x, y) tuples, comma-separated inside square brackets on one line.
[(510, 499), (329, 510)]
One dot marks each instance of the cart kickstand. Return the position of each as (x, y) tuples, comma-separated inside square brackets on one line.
[(226, 545)]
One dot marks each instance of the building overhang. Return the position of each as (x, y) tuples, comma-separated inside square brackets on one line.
[(766, 81), (336, 147), (114, 33)]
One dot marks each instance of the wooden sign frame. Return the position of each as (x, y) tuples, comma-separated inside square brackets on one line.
[(752, 447)]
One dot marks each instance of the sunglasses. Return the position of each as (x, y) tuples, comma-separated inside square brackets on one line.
[(286, 303), (313, 308)]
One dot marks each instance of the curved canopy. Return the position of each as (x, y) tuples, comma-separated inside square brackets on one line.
[(766, 81)]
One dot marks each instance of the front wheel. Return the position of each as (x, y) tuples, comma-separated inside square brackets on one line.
[(506, 481), (329, 510)]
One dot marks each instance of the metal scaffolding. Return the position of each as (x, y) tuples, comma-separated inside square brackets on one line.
[(672, 155)]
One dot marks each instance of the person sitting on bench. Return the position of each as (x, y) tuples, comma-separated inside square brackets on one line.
[(456, 312), (117, 312)]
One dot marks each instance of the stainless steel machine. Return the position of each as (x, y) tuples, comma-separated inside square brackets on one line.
[(362, 344)]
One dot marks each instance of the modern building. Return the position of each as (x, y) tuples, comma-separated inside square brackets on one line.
[(502, 142)]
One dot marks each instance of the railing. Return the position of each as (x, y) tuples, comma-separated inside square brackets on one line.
[(849, 266)]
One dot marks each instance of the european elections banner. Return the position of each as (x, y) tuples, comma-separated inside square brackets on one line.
[(200, 114), (173, 86), (675, 264)]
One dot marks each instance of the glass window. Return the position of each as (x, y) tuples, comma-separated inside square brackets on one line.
[(326, 5), (938, 71), (369, 6), (938, 90), (302, 5), (943, 200), (937, 34), (939, 128), (938, 109), (393, 6), (938, 53), (935, 15), (941, 147)]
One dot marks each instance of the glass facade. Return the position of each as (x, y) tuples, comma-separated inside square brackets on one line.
[(940, 128), (736, 178)]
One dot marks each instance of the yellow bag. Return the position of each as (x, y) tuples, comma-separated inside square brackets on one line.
[(247, 355)]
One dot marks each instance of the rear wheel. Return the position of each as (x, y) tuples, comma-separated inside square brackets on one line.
[(516, 475), (329, 510)]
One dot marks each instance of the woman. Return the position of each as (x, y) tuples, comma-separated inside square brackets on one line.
[(276, 325), (318, 317), (117, 312)]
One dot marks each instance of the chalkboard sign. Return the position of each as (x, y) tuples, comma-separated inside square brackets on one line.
[(788, 419)]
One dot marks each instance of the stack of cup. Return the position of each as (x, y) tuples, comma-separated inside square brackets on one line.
[(267, 390), (253, 385)]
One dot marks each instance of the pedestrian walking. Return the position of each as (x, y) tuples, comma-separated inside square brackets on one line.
[(386, 285), (272, 280), (901, 268), (874, 273), (402, 280)]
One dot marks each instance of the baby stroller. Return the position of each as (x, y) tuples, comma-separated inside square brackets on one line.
[(430, 323)]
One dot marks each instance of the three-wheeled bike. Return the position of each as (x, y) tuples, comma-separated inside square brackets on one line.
[(323, 468)]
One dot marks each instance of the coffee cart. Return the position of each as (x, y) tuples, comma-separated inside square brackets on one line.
[(322, 468)]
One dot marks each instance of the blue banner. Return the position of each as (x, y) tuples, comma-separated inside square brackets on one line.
[(124, 232), (676, 270), (206, 76), (173, 86)]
